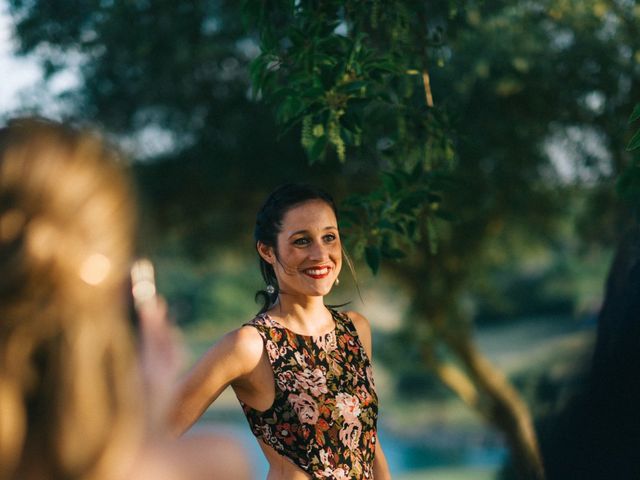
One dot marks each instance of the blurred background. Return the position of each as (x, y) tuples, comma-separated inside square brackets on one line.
[(495, 309)]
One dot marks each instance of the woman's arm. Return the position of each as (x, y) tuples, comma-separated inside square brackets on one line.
[(235, 356), (380, 466), (194, 457), (204, 456)]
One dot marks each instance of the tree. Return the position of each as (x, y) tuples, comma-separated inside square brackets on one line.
[(359, 82), (605, 446), (169, 80), (362, 79), (352, 82)]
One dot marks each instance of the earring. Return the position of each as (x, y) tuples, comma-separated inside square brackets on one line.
[(337, 282), (270, 289)]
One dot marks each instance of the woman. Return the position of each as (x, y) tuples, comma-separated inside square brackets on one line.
[(70, 386), (300, 370)]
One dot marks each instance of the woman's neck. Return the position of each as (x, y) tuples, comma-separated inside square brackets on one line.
[(308, 316)]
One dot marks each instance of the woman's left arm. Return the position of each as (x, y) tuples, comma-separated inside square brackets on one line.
[(380, 466)]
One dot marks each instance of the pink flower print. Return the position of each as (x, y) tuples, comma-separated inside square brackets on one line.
[(305, 408), (348, 406), (335, 474), (285, 432), (312, 381), (324, 457), (286, 381), (340, 474), (350, 435), (328, 342), (266, 434), (300, 359), (275, 334), (272, 350), (363, 395), (369, 372)]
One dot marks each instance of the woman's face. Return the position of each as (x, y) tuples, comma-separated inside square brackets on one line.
[(309, 252)]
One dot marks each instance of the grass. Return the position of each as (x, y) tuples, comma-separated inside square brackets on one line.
[(457, 473)]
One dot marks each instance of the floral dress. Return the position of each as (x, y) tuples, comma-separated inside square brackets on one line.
[(325, 410)]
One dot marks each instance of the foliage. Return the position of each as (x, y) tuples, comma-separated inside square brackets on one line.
[(354, 76), (170, 81), (634, 143), (331, 65), (629, 180), (520, 75)]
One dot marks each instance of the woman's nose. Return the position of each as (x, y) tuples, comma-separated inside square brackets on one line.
[(319, 252)]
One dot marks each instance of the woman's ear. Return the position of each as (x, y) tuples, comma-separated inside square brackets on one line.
[(266, 252)]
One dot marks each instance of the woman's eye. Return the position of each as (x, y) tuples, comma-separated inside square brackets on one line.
[(301, 241), (330, 238)]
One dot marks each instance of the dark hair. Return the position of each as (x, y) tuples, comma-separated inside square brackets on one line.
[(269, 225)]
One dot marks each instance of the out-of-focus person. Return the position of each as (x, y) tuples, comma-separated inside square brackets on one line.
[(78, 400)]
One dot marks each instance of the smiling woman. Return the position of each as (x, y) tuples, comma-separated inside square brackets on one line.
[(290, 249), (300, 369), (309, 257)]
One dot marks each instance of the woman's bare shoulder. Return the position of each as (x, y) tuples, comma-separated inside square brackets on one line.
[(244, 342), (360, 321)]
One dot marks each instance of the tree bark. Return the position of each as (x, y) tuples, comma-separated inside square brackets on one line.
[(502, 406), (478, 383), (597, 436)]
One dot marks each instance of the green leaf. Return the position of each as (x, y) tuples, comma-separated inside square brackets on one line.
[(316, 152), (313, 93), (324, 60), (636, 114), (445, 215), (352, 86), (628, 185), (394, 253), (386, 224), (372, 256), (290, 108), (411, 201), (635, 142), (391, 181)]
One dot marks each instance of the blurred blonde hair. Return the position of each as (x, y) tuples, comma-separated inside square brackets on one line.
[(68, 386)]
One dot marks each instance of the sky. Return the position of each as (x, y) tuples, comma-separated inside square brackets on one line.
[(15, 73), (21, 78)]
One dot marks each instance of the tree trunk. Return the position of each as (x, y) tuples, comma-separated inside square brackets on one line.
[(597, 436), (477, 382), (483, 388), (501, 405)]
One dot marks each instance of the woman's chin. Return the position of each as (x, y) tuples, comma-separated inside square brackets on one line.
[(320, 291)]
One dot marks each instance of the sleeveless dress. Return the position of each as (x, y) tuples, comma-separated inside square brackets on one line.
[(324, 415)]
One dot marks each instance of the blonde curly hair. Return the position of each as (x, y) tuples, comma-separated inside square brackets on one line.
[(69, 391)]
